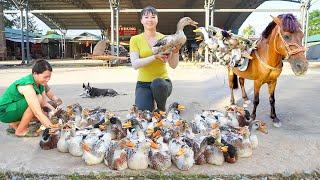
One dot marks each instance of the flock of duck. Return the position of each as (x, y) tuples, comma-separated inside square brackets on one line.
[(153, 139), (159, 139), (229, 49)]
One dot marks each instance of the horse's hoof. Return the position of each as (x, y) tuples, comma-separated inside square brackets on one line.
[(277, 124)]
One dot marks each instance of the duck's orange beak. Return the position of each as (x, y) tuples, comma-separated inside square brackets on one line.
[(263, 128), (156, 134), (156, 115), (130, 144), (154, 145), (181, 152), (127, 125), (214, 125), (159, 124), (86, 147), (102, 127), (149, 131), (162, 113), (224, 149), (179, 123), (181, 107)]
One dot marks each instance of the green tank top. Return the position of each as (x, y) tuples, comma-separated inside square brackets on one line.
[(13, 95)]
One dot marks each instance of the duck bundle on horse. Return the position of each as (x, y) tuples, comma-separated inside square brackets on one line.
[(281, 40)]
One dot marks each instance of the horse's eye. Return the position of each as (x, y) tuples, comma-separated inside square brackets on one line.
[(286, 37)]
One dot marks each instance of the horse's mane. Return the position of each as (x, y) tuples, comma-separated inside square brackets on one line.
[(289, 24)]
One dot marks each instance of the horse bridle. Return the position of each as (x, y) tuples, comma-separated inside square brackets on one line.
[(289, 51)]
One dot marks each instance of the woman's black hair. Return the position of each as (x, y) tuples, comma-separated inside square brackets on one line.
[(40, 66), (147, 10)]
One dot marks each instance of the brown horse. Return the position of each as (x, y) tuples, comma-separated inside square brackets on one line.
[(282, 39)]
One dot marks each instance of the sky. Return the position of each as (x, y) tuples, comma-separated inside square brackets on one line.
[(254, 19)]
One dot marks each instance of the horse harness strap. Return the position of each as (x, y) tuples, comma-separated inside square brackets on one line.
[(278, 68), (287, 45)]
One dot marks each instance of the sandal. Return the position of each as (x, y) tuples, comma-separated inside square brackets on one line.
[(30, 133), (10, 130)]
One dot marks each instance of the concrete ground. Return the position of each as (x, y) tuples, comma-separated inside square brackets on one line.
[(289, 151)]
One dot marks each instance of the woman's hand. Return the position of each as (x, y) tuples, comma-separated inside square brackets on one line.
[(176, 49), (163, 57)]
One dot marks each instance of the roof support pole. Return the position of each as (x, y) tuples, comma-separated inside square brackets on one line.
[(206, 24), (115, 9), (63, 43), (305, 6), (209, 10), (211, 22), (28, 58), (3, 48), (22, 35), (117, 29)]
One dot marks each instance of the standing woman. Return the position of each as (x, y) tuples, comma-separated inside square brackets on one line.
[(153, 86), (23, 100)]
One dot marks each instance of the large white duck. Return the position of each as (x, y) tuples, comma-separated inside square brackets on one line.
[(116, 157), (254, 126), (63, 143), (159, 155), (138, 155), (95, 155), (211, 42), (165, 44)]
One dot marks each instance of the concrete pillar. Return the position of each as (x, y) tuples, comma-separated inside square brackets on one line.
[(3, 47)]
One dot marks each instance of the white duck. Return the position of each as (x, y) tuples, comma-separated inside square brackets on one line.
[(138, 156), (254, 126), (211, 42), (95, 155), (63, 144)]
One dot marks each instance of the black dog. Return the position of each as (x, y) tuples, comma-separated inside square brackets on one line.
[(96, 92)]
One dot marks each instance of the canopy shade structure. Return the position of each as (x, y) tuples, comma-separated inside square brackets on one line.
[(15, 35), (167, 20), (50, 37), (86, 37)]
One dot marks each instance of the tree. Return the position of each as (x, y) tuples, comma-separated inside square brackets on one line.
[(248, 31), (314, 23), (13, 20)]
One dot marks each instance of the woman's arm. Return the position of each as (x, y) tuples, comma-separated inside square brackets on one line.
[(49, 93), (33, 102), (140, 62), (173, 59)]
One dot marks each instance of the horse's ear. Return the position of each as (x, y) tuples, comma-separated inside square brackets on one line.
[(276, 20)]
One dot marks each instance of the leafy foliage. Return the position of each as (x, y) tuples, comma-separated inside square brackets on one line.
[(13, 20), (248, 31), (314, 23)]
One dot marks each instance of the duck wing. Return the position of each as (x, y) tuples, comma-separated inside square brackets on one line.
[(163, 41), (163, 44)]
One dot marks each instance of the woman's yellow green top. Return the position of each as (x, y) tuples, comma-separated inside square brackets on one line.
[(153, 70), (13, 103)]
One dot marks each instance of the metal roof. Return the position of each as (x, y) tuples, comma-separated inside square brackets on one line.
[(167, 20)]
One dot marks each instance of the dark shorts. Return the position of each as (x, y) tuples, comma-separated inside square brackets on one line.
[(13, 112), (147, 93)]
